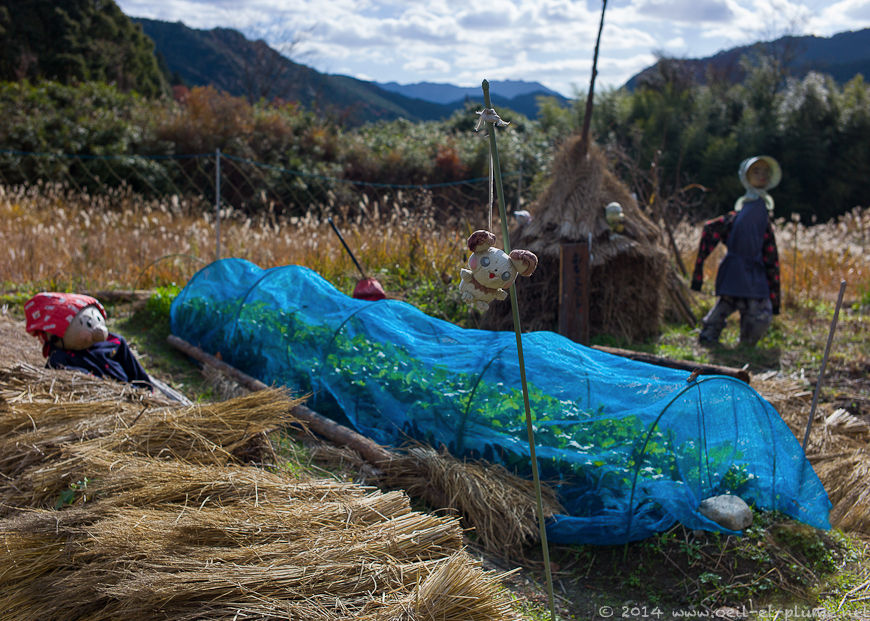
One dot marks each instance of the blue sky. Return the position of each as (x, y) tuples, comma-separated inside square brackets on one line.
[(462, 42)]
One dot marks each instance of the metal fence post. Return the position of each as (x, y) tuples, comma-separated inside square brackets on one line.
[(217, 204)]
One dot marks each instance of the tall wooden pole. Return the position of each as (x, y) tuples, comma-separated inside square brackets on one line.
[(496, 167), (587, 117)]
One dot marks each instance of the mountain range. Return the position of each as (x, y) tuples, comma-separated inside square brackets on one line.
[(842, 56), (226, 59)]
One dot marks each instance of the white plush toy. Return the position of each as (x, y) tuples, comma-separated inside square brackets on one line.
[(492, 271), (87, 327)]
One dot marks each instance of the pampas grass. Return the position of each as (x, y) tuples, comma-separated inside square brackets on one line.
[(119, 240)]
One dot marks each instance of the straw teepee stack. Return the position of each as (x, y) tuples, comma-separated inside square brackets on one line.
[(627, 272)]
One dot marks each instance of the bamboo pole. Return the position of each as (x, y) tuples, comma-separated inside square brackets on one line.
[(824, 364), (496, 167), (587, 116), (686, 365)]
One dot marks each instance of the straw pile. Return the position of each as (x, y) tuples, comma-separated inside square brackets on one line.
[(499, 504), (26, 382), (627, 272), (837, 449), (166, 522)]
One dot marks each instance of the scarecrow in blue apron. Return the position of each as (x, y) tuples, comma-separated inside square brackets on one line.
[(747, 280)]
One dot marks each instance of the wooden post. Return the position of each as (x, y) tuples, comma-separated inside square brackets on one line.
[(574, 291)]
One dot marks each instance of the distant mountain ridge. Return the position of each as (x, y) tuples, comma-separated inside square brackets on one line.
[(842, 56), (439, 92), (226, 59)]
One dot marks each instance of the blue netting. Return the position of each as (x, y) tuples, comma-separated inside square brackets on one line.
[(630, 447)]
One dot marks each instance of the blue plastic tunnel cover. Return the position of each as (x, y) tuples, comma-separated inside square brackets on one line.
[(630, 448)]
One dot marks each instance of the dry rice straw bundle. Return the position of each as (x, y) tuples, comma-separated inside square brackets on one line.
[(145, 563), (172, 527), (67, 416), (27, 383), (204, 434), (458, 589), (845, 478), (837, 450), (35, 433), (146, 482), (360, 528), (328, 592), (197, 434), (497, 504)]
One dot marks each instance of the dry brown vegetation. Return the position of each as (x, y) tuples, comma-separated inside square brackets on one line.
[(56, 238), (60, 239), (167, 522)]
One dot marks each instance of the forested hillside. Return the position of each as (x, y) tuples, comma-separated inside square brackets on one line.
[(76, 41), (698, 134), (841, 56), (224, 58)]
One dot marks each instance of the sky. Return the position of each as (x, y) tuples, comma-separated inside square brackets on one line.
[(548, 41)]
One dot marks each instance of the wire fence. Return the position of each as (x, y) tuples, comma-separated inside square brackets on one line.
[(225, 181)]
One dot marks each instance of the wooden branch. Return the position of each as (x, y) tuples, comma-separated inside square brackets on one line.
[(587, 117), (371, 451), (687, 365), (120, 295)]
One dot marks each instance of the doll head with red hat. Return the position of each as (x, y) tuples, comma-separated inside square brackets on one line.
[(67, 320)]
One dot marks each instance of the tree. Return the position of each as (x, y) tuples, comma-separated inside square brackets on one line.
[(76, 41)]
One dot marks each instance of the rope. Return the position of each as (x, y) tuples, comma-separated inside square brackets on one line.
[(489, 115)]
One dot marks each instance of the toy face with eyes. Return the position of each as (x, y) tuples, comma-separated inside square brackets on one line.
[(86, 328), (491, 270)]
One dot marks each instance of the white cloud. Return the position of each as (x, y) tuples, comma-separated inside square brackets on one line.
[(429, 65), (841, 16), (691, 11)]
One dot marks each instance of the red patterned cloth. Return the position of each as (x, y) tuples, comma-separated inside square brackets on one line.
[(51, 313)]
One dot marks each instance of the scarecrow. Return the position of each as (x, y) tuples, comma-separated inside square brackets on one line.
[(747, 280), (72, 329)]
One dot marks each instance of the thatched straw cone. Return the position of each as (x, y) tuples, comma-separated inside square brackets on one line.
[(627, 271), (499, 506)]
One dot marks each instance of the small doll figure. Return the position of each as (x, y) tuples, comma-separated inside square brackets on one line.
[(72, 328), (491, 271), (615, 217)]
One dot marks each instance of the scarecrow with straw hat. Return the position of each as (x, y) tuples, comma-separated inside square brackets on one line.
[(747, 280)]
